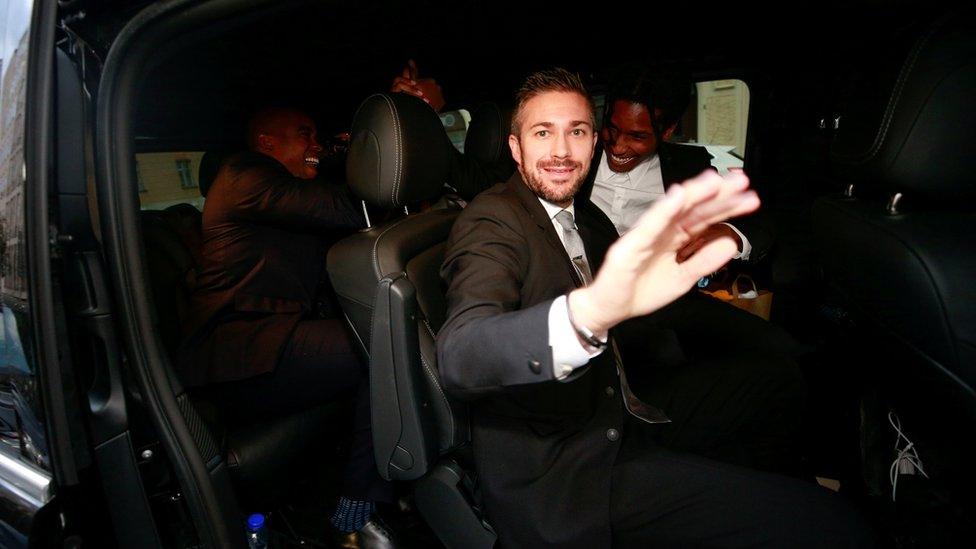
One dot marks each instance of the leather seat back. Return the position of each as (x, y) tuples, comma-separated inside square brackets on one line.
[(388, 283), (487, 139), (899, 250)]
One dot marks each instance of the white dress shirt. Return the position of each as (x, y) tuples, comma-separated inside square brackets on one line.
[(567, 351), (624, 197)]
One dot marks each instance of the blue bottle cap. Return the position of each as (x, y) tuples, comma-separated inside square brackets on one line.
[(255, 521)]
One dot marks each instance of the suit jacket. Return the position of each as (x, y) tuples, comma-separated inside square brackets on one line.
[(681, 162), (544, 448), (262, 261)]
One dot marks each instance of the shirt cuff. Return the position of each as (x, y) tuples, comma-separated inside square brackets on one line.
[(746, 247), (567, 351)]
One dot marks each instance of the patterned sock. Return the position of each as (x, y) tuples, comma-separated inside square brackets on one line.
[(351, 515)]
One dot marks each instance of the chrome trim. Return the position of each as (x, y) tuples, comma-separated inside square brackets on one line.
[(893, 204), (366, 213), (19, 478)]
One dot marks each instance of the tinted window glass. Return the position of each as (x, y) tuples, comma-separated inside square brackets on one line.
[(21, 419), (718, 118), (168, 178)]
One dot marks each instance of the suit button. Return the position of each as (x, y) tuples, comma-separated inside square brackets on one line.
[(535, 366), (613, 435), (609, 391)]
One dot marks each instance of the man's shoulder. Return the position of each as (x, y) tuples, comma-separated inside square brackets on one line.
[(501, 198), (251, 162)]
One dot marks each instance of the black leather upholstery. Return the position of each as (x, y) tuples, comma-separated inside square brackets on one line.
[(906, 266), (395, 139), (402, 128), (487, 137), (388, 283), (921, 144)]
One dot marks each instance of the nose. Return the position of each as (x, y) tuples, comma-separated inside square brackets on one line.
[(316, 147), (560, 146)]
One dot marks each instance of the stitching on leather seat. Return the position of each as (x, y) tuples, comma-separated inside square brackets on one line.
[(437, 383)]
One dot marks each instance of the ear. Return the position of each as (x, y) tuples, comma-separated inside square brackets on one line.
[(669, 132), (516, 146), (265, 142)]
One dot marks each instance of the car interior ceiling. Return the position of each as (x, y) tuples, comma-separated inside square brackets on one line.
[(327, 57)]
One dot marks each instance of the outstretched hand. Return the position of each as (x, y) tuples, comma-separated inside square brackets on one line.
[(641, 272), (425, 88)]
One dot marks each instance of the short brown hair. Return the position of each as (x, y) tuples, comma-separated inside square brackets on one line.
[(552, 80)]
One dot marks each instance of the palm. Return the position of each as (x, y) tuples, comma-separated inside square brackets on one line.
[(641, 273)]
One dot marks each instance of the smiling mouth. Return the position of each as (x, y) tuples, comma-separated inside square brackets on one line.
[(312, 161), (622, 160)]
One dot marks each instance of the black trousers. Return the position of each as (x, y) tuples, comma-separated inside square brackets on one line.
[(727, 379), (663, 498), (730, 384), (318, 365)]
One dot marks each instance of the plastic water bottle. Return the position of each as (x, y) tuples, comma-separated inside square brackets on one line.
[(257, 533)]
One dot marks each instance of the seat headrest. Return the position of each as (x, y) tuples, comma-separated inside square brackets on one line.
[(209, 166), (487, 137), (926, 138), (398, 152)]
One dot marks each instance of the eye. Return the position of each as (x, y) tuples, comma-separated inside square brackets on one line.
[(579, 132), (542, 133)]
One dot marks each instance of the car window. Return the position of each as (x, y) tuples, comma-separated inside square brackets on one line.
[(718, 118), (456, 124), (168, 178), (21, 410)]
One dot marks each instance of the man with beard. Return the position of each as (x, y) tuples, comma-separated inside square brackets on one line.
[(564, 451), (253, 343)]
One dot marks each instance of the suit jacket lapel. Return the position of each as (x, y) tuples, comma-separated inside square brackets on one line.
[(668, 174), (539, 216)]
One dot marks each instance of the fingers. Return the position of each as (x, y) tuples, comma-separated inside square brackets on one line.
[(689, 249), (412, 69), (656, 220), (405, 85), (710, 258), (714, 198)]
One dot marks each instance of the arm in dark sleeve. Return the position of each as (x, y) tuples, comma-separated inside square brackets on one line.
[(266, 194), (488, 344), (753, 226)]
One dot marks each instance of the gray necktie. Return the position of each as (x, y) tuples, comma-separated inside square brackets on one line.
[(574, 247)]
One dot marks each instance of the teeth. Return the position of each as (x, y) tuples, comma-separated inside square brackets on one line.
[(312, 160), (621, 159)]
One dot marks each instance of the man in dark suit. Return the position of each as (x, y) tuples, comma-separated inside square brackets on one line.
[(252, 337), (700, 343), (565, 453)]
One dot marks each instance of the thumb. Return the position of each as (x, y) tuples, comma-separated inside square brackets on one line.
[(412, 67)]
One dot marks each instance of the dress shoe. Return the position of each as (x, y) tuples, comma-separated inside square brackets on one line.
[(375, 534)]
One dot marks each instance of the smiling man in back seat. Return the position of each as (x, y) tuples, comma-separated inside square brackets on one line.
[(253, 339)]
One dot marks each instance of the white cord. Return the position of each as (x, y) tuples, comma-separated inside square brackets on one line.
[(907, 461)]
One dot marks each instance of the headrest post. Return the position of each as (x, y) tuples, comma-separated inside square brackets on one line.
[(366, 214), (893, 202)]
